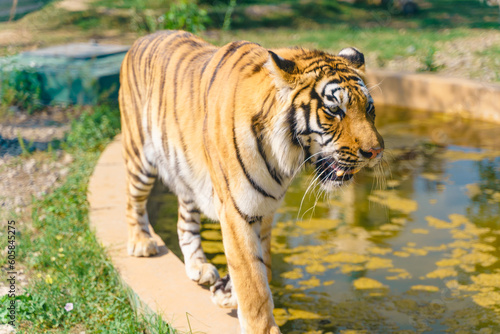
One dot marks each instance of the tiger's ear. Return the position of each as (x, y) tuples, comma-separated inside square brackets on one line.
[(354, 57), (283, 70)]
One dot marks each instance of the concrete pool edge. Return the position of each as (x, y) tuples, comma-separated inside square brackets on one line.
[(160, 282), (466, 98)]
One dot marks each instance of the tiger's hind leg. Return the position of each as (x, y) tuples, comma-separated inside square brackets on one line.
[(188, 229), (140, 180)]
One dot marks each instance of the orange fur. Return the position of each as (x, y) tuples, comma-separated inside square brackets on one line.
[(227, 129)]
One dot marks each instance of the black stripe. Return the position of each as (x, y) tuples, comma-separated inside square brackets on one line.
[(339, 132), (183, 230), (314, 66), (230, 50), (307, 114), (272, 91), (320, 125), (165, 64), (334, 81), (244, 216), (157, 41), (138, 198), (186, 220), (351, 78), (136, 187), (260, 146), (135, 94), (133, 98), (351, 154), (240, 58), (195, 251), (192, 77), (153, 54), (267, 236), (326, 142), (255, 219), (137, 180), (240, 160), (132, 157), (181, 137), (255, 67), (292, 124)]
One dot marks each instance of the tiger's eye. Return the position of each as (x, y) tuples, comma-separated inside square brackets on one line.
[(334, 111)]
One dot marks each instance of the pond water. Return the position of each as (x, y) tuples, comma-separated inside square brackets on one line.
[(410, 247)]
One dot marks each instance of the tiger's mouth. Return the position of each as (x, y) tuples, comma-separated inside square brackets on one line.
[(330, 170)]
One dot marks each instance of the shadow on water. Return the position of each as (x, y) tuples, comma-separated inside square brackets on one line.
[(416, 252)]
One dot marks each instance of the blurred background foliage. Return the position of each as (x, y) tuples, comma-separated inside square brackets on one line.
[(248, 14)]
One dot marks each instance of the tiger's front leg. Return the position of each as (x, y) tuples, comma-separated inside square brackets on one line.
[(188, 230), (223, 293), (248, 271)]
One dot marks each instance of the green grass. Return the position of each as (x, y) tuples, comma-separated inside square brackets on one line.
[(386, 43), (127, 4), (66, 262)]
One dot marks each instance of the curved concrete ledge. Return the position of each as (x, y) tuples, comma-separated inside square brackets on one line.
[(161, 283), (466, 98)]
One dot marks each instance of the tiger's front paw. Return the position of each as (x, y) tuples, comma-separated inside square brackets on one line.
[(275, 330), (203, 273), (142, 245), (223, 294)]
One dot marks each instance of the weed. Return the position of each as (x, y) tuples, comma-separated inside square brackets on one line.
[(227, 18), (92, 130), (143, 19), (19, 87), (25, 149), (186, 15), (156, 323), (429, 63)]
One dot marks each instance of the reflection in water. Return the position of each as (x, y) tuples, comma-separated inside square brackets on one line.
[(416, 253)]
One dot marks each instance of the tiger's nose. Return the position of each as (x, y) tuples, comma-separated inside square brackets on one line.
[(371, 153)]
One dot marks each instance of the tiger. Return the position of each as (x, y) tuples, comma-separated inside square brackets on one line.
[(227, 129)]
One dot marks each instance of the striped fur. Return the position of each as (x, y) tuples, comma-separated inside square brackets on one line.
[(227, 129)]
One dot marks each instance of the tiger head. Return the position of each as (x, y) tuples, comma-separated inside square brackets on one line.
[(328, 111)]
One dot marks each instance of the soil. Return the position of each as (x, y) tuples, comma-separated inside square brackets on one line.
[(24, 176), (459, 58)]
